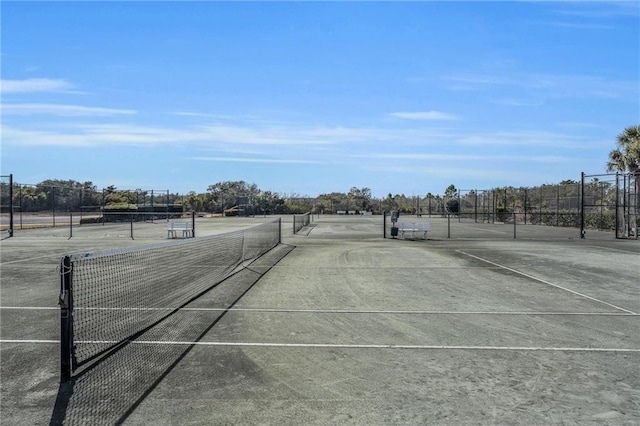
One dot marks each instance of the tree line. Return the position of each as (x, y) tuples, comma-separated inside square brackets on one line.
[(231, 197)]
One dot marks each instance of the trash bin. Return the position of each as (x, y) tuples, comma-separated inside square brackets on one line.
[(394, 231)]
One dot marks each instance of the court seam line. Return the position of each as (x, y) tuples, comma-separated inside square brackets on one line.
[(547, 282), (344, 346)]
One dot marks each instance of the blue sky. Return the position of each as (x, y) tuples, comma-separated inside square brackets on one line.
[(307, 98)]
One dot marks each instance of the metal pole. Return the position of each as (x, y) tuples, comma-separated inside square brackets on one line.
[(525, 206), (384, 224), (475, 205), (515, 220), (617, 203), (11, 205), (582, 198), (193, 223), (557, 205), (448, 226), (53, 204), (627, 208), (66, 326)]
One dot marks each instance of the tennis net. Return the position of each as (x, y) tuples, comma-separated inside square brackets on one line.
[(111, 296)]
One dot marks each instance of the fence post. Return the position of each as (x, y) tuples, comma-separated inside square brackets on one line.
[(582, 198), (617, 204), (384, 224), (557, 205), (53, 204)]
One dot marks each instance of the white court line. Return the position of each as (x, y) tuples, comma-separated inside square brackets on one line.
[(32, 308), (30, 259), (345, 346), (547, 282), (339, 311)]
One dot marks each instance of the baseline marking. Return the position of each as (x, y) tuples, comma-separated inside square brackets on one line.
[(546, 282)]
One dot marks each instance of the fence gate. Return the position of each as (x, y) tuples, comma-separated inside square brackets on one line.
[(610, 201), (6, 203)]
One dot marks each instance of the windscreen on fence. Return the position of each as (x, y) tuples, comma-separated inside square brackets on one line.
[(111, 296)]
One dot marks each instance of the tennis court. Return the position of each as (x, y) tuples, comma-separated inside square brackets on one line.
[(338, 325)]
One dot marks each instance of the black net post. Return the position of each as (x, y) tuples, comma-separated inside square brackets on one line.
[(66, 313), (384, 224)]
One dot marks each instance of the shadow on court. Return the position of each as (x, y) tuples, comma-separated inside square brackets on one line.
[(110, 389)]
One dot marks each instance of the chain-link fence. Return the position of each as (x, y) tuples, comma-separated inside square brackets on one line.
[(607, 202), (6, 204), (53, 204)]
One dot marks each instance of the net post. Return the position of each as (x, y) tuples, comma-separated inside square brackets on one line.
[(66, 315), (279, 230), (384, 224), (193, 223), (70, 225)]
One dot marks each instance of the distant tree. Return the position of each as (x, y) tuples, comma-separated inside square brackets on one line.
[(451, 195), (390, 204), (360, 198), (226, 194), (333, 201)]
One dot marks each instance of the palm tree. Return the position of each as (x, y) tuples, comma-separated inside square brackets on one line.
[(626, 158)]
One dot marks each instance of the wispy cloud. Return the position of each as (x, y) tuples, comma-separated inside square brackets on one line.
[(526, 138), (32, 85), (254, 160), (423, 115), (547, 85), (600, 9), (517, 102), (578, 25), (61, 110), (418, 156)]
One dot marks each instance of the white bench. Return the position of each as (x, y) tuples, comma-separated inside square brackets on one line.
[(184, 228), (414, 227)]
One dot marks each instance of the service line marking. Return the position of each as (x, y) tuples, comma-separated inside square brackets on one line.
[(380, 346), (335, 311), (346, 346), (547, 282)]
